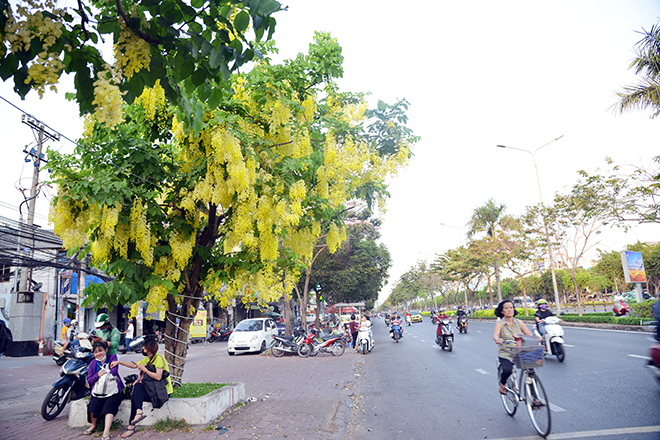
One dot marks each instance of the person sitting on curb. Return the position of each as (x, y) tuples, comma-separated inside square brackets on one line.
[(139, 396)]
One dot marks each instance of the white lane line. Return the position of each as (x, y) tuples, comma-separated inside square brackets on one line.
[(482, 371), (598, 433), (478, 331), (422, 340), (569, 345), (556, 408), (639, 357)]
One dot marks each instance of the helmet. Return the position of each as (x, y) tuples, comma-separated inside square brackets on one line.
[(66, 321), (541, 301), (101, 320), (74, 322)]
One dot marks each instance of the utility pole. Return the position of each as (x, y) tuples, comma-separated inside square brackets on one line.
[(26, 313)]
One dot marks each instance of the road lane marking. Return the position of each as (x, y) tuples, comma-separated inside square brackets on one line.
[(569, 345), (482, 371), (598, 433), (556, 408), (422, 340), (639, 357)]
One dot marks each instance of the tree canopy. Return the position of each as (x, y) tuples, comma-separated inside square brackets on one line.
[(232, 205)]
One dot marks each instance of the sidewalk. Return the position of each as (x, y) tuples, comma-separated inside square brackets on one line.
[(295, 398)]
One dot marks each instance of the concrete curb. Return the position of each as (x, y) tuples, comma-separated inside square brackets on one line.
[(196, 411)]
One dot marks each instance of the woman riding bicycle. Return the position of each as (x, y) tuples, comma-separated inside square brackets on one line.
[(507, 329)]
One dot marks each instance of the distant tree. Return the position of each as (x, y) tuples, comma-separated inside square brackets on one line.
[(489, 218)]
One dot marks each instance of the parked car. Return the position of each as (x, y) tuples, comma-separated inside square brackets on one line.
[(255, 334)]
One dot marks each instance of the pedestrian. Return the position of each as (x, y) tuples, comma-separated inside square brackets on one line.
[(5, 338), (130, 331), (353, 328), (101, 405), (158, 365)]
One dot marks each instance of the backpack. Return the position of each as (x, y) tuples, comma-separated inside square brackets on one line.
[(5, 337)]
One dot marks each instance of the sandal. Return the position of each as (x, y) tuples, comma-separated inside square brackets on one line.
[(536, 404), (105, 438), (90, 431), (503, 389), (138, 418), (131, 430)]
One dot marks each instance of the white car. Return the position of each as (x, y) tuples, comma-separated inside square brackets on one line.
[(255, 334)]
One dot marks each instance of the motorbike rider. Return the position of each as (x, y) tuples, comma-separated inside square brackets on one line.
[(65, 328), (408, 317), (106, 332), (71, 334), (656, 310), (441, 315), (396, 320), (434, 315), (365, 323), (542, 313)]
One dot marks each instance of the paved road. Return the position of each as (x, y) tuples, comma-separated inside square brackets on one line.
[(414, 390)]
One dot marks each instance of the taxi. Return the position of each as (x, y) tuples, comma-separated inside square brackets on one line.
[(415, 316)]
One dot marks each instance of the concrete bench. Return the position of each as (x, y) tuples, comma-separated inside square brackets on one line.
[(196, 411)]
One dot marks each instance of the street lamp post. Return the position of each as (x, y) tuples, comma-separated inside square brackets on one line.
[(545, 223)]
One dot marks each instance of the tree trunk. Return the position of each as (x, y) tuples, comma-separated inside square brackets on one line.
[(287, 317), (497, 280), (490, 293), (577, 293)]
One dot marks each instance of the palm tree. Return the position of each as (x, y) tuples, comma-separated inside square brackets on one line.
[(645, 94), (488, 218)]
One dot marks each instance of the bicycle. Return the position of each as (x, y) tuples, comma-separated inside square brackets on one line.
[(528, 389)]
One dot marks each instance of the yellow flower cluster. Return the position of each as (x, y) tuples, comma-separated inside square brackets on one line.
[(157, 298), (107, 98), (152, 100), (140, 232), (262, 287), (44, 71), (166, 269), (19, 32), (69, 220), (182, 248), (131, 52)]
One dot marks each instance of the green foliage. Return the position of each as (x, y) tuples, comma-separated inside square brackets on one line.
[(643, 310), (193, 389), (188, 42), (355, 272), (490, 313), (588, 317), (590, 314)]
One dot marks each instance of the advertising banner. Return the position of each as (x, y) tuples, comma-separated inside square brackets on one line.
[(198, 326), (633, 267)]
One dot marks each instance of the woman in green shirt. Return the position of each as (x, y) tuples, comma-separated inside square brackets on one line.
[(139, 395), (507, 329)]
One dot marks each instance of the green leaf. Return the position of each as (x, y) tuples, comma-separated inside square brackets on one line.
[(215, 59), (197, 3), (242, 21), (214, 98), (198, 77)]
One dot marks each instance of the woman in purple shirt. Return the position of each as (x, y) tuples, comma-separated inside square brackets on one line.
[(106, 406)]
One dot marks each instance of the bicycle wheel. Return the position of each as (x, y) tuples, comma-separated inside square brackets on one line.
[(538, 406), (510, 399)]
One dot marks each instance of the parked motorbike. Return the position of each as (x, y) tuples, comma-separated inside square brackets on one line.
[(396, 332), (553, 342), (328, 344), (621, 307), (445, 338), (287, 344), (462, 324), (219, 334), (72, 384), (654, 362), (365, 342), (60, 356)]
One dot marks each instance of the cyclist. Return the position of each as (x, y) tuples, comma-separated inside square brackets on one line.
[(542, 313), (506, 331)]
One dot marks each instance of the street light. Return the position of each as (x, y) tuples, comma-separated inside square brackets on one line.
[(545, 223)]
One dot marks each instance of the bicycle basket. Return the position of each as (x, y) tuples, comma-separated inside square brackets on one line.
[(529, 357)]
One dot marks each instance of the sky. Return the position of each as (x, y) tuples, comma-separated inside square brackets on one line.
[(476, 74)]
